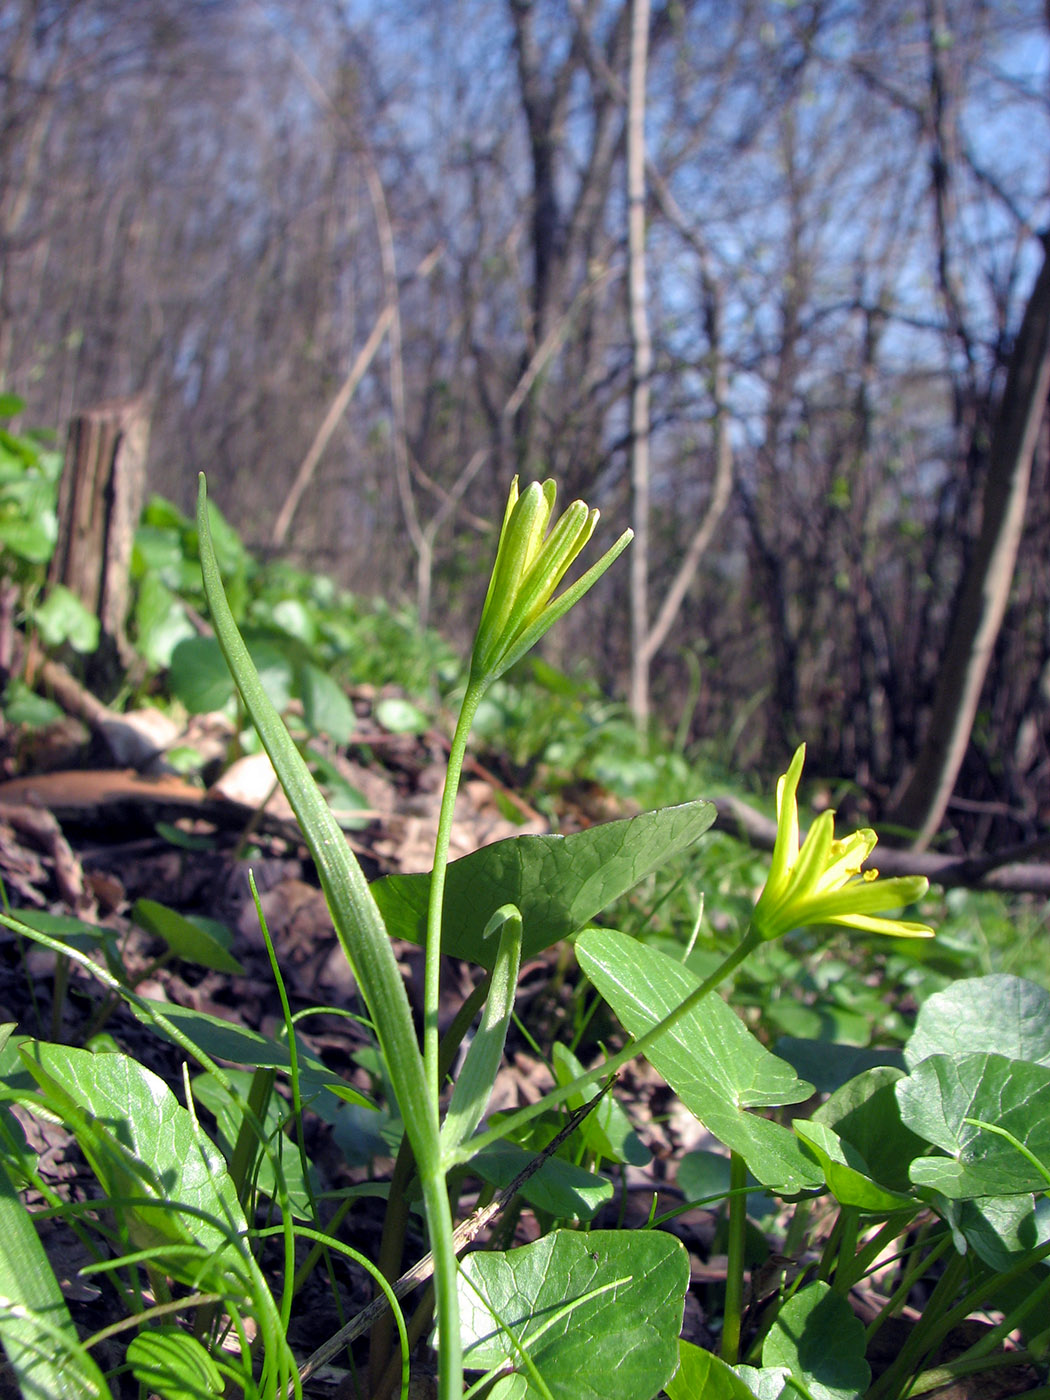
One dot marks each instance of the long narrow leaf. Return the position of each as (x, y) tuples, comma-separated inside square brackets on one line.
[(358, 923), (36, 1329)]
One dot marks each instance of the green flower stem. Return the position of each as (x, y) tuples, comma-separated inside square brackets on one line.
[(432, 965), (869, 1252), (366, 944), (1010, 1322), (747, 945), (927, 1333), (733, 1314), (950, 1371), (846, 1261), (920, 1265), (942, 1321)]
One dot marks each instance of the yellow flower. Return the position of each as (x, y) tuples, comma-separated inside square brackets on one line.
[(822, 883), (530, 564)]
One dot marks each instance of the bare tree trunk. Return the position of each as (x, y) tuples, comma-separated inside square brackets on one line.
[(985, 588), (99, 501), (641, 362)]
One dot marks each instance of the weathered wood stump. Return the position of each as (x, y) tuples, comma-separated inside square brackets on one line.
[(99, 502)]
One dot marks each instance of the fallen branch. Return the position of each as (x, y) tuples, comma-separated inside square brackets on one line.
[(1010, 870)]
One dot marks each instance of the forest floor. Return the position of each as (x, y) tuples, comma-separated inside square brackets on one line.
[(90, 841)]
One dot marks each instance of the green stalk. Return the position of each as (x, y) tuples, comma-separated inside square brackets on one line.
[(510, 1125), (366, 945), (927, 1334), (733, 1316), (432, 965)]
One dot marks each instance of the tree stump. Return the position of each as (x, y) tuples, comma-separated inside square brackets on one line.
[(99, 503)]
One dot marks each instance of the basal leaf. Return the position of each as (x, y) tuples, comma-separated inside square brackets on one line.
[(558, 882), (619, 1343), (820, 1340), (141, 1143), (36, 1330), (558, 1188), (192, 941), (865, 1114), (700, 1374), (226, 1040), (1001, 1230), (711, 1060), (846, 1172), (944, 1090), (1001, 1014)]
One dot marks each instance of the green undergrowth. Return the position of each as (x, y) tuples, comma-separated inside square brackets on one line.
[(874, 1101)]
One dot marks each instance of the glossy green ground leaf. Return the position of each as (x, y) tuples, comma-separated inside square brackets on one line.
[(161, 623), (711, 1060), (326, 707), (1001, 1230), (62, 617), (226, 1040), (400, 716), (1001, 1014), (36, 1330), (606, 1130), (819, 1339), (558, 882), (619, 1345), (199, 676), (186, 938), (559, 1188), (942, 1090), (702, 1376), (173, 1365), (846, 1172), (141, 1142), (229, 1115), (768, 1382), (865, 1114)]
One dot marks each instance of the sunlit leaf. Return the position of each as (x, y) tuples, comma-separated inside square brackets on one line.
[(711, 1060), (558, 882), (820, 1340), (619, 1344)]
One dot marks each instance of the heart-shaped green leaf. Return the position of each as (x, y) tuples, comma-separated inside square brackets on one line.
[(943, 1091), (820, 1340), (142, 1143), (865, 1114), (1001, 1014), (702, 1374), (598, 1313), (558, 1188), (1001, 1230), (558, 882), (711, 1060)]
